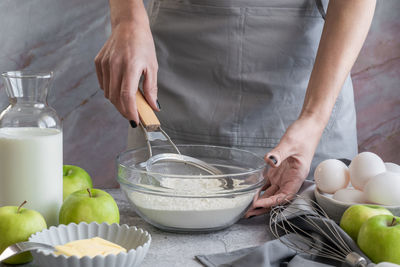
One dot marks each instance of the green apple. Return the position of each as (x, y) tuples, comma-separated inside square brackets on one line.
[(90, 205), (17, 224), (356, 215), (379, 238), (74, 179)]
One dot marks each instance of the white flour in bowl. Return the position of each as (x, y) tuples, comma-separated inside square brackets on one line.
[(191, 213)]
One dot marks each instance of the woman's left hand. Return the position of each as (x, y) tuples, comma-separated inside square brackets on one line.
[(345, 29), (290, 164)]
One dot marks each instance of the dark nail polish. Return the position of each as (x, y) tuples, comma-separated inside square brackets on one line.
[(252, 216), (258, 208), (133, 124), (346, 161), (273, 159), (158, 105)]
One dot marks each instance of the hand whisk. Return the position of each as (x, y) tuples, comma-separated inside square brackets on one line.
[(312, 231)]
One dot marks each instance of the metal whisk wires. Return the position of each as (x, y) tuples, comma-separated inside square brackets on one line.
[(311, 230)]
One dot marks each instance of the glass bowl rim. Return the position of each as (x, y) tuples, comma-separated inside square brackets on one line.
[(212, 176), (170, 193)]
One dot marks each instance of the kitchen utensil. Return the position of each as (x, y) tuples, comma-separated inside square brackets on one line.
[(335, 208), (135, 240), (23, 247), (324, 240), (192, 203), (166, 162)]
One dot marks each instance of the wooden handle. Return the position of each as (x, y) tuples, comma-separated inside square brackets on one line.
[(147, 116)]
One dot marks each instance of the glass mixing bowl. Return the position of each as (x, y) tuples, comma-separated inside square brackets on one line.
[(192, 203)]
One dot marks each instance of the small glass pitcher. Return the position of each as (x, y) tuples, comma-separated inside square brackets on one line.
[(31, 146)]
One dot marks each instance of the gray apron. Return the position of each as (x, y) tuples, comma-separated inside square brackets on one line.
[(235, 72)]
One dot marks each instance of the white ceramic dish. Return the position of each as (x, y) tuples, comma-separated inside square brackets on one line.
[(135, 240), (335, 209)]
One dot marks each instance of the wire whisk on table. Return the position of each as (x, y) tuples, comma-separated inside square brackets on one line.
[(301, 224)]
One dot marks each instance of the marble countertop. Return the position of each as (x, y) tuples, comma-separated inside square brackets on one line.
[(170, 249)]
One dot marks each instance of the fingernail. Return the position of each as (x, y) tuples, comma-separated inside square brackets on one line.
[(133, 124), (258, 208), (273, 159), (252, 216), (158, 105)]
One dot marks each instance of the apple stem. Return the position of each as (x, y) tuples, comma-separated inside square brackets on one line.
[(90, 193), (20, 206), (393, 223)]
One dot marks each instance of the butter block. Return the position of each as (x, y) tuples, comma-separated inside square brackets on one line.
[(89, 247)]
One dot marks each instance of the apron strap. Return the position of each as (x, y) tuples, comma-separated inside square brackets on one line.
[(320, 7)]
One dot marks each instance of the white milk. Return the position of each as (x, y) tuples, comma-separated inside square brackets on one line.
[(31, 169)]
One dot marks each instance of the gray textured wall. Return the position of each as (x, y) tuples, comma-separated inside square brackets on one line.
[(65, 36)]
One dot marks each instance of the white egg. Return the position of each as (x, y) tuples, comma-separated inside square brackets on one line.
[(392, 167), (384, 189), (364, 166), (348, 195), (331, 175)]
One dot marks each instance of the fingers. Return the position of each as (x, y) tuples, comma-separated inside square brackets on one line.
[(129, 85), (128, 53), (120, 81), (255, 212), (270, 191), (105, 69), (272, 197), (264, 204), (274, 174), (114, 90), (281, 152), (256, 196), (267, 184), (274, 157), (99, 72), (271, 201), (150, 86)]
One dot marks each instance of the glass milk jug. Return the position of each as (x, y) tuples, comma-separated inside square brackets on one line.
[(31, 158)]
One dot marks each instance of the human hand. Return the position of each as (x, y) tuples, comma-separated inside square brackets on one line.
[(289, 164), (128, 53)]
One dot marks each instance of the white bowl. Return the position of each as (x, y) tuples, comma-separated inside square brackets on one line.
[(136, 241), (335, 209)]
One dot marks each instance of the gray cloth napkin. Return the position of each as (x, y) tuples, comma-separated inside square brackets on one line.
[(274, 253)]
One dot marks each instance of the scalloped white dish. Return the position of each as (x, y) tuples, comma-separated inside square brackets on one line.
[(135, 240), (335, 208)]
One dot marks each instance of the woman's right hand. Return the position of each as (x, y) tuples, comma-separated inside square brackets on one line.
[(128, 54)]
